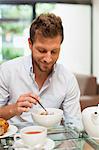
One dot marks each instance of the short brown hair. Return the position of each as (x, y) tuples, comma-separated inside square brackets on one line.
[(48, 25)]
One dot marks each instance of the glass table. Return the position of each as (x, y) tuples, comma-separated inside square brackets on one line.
[(65, 138)]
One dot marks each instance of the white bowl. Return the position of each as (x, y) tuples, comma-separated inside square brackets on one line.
[(53, 118)]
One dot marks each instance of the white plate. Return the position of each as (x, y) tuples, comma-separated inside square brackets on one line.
[(49, 145), (11, 130), (96, 139)]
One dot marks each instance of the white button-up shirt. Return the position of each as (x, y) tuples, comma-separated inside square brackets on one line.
[(60, 90)]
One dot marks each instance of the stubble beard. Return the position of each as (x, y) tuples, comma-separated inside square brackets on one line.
[(46, 70)]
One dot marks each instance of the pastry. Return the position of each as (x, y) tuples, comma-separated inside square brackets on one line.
[(3, 126)]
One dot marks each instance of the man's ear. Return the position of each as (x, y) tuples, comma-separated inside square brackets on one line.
[(30, 43)]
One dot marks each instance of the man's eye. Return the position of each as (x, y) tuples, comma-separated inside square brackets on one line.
[(42, 50), (53, 52)]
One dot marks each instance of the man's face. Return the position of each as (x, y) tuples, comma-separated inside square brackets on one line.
[(45, 52)]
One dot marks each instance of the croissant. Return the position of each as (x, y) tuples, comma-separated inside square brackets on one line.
[(3, 126)]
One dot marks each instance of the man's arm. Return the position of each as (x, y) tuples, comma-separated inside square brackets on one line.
[(8, 111), (23, 104), (71, 105)]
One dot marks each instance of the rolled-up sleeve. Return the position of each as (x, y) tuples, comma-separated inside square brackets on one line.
[(4, 93)]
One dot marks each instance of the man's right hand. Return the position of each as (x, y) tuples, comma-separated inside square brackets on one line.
[(23, 104)]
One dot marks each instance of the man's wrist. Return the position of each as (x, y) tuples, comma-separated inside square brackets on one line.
[(12, 110)]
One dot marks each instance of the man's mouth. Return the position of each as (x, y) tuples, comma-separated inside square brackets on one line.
[(47, 66)]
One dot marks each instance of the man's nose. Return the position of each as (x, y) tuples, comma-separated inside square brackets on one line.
[(48, 57)]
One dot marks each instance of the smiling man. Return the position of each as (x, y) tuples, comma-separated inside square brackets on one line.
[(39, 76)]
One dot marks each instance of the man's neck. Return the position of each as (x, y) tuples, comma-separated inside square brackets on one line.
[(40, 77)]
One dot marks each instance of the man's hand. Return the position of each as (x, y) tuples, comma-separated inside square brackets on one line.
[(25, 102)]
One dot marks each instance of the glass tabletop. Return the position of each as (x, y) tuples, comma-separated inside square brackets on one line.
[(65, 138)]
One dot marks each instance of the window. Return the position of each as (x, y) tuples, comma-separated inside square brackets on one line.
[(14, 29)]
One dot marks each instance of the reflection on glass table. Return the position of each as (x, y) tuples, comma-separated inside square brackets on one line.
[(65, 138)]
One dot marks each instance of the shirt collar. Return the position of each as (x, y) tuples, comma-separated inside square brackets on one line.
[(28, 63)]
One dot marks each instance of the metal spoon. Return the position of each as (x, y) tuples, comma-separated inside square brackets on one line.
[(41, 105)]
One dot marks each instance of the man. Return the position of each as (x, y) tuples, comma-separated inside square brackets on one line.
[(39, 76)]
